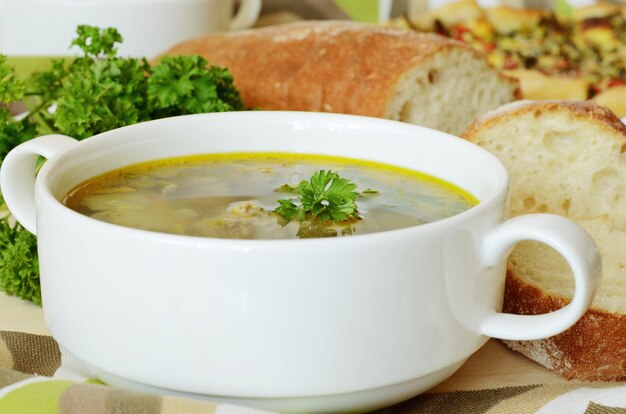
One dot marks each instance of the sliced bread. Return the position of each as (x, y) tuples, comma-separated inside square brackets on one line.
[(567, 158), (354, 68)]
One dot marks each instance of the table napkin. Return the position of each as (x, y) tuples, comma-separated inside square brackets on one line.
[(36, 377)]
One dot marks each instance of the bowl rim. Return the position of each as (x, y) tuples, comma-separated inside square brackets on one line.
[(45, 197)]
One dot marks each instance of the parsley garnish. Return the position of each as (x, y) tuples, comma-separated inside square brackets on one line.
[(100, 91), (325, 197), (19, 264)]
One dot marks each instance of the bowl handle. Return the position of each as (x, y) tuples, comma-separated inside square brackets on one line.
[(567, 238), (18, 172)]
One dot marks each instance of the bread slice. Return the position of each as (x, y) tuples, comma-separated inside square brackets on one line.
[(567, 158), (355, 68), (564, 157), (540, 281)]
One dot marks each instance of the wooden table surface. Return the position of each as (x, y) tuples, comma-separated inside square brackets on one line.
[(493, 366)]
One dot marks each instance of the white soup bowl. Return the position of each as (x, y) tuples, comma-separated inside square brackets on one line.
[(333, 324)]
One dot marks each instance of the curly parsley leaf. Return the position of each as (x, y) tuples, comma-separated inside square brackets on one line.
[(180, 85), (48, 85), (96, 42), (104, 95), (14, 133), (288, 210), (19, 264), (325, 196), (101, 91), (11, 88)]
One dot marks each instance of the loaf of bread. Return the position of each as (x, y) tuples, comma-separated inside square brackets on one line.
[(567, 158), (355, 68)]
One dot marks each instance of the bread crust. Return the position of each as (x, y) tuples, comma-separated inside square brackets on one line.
[(594, 349), (326, 66), (578, 109)]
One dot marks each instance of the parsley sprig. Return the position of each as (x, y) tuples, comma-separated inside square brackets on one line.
[(19, 263), (325, 196), (99, 90), (96, 92)]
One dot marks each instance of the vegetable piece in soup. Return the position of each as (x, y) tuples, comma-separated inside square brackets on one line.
[(236, 196)]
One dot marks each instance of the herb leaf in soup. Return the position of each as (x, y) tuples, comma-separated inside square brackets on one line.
[(288, 189), (368, 192), (325, 196), (288, 210)]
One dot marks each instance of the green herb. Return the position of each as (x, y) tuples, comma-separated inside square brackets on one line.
[(95, 42), (100, 91), (368, 192), (99, 95), (288, 188), (19, 264), (12, 132), (183, 85), (96, 92), (11, 88), (325, 196)]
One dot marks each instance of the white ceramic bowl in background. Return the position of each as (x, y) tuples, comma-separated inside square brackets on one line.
[(348, 323), (46, 27)]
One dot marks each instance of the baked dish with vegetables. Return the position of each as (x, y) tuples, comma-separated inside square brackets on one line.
[(561, 54)]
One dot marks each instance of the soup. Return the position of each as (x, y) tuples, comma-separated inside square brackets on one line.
[(235, 196)]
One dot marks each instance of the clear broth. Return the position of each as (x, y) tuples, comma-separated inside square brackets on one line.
[(234, 195)]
